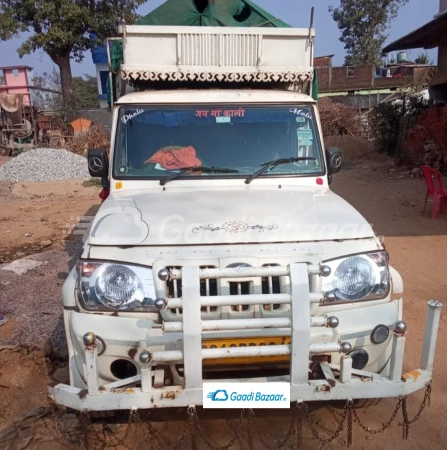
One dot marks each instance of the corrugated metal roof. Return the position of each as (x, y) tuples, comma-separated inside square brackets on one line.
[(427, 36)]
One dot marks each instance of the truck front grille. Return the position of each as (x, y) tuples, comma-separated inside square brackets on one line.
[(174, 290), (242, 288), (208, 288), (212, 287), (271, 285)]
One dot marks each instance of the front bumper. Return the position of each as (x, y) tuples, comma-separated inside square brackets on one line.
[(146, 389)]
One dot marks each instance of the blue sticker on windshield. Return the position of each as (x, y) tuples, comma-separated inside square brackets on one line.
[(223, 119), (301, 119)]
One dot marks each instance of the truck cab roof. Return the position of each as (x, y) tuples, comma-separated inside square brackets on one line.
[(214, 96)]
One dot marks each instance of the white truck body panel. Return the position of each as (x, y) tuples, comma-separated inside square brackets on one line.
[(183, 217), (214, 96), (170, 53)]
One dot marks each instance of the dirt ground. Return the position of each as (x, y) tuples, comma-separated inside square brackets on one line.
[(385, 195), (33, 214)]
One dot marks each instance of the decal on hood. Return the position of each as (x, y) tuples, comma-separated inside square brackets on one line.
[(235, 227)]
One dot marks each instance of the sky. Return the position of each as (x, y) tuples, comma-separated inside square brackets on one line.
[(295, 12)]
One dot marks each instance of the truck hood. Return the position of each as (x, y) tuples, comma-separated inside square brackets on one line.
[(250, 215)]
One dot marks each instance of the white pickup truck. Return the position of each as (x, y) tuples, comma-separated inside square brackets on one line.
[(221, 254)]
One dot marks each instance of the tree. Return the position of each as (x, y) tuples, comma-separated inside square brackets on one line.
[(85, 91), (363, 24), (46, 100), (63, 29)]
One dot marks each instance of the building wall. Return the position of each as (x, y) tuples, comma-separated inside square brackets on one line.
[(324, 78), (438, 89), (442, 5), (363, 78), (323, 61), (393, 82), (426, 143), (442, 57)]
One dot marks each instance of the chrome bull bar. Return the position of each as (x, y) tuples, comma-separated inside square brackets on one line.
[(341, 381)]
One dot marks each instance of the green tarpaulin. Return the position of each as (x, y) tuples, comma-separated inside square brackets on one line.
[(116, 57), (315, 85), (224, 13)]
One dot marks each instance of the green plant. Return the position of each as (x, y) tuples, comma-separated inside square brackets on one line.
[(385, 120), (423, 58)]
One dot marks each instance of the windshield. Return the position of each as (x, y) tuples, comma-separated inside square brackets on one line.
[(155, 142)]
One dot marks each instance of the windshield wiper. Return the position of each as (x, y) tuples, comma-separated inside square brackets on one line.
[(184, 170), (276, 162)]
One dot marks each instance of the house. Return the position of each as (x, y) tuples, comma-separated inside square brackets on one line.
[(367, 79), (431, 35), (19, 80)]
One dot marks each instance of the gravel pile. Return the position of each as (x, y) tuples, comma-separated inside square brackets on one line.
[(44, 164)]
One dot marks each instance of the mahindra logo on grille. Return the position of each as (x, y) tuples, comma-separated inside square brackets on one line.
[(238, 265)]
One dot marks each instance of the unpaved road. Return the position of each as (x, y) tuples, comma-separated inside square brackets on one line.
[(418, 249), (32, 213)]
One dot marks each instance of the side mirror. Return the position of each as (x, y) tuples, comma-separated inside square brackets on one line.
[(333, 159), (98, 163)]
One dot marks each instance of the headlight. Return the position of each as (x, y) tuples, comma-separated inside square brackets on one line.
[(114, 286), (358, 277)]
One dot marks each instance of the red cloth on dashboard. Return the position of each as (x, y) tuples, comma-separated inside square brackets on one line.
[(175, 158)]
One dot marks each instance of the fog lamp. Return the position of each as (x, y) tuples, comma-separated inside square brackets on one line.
[(380, 334), (359, 358)]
